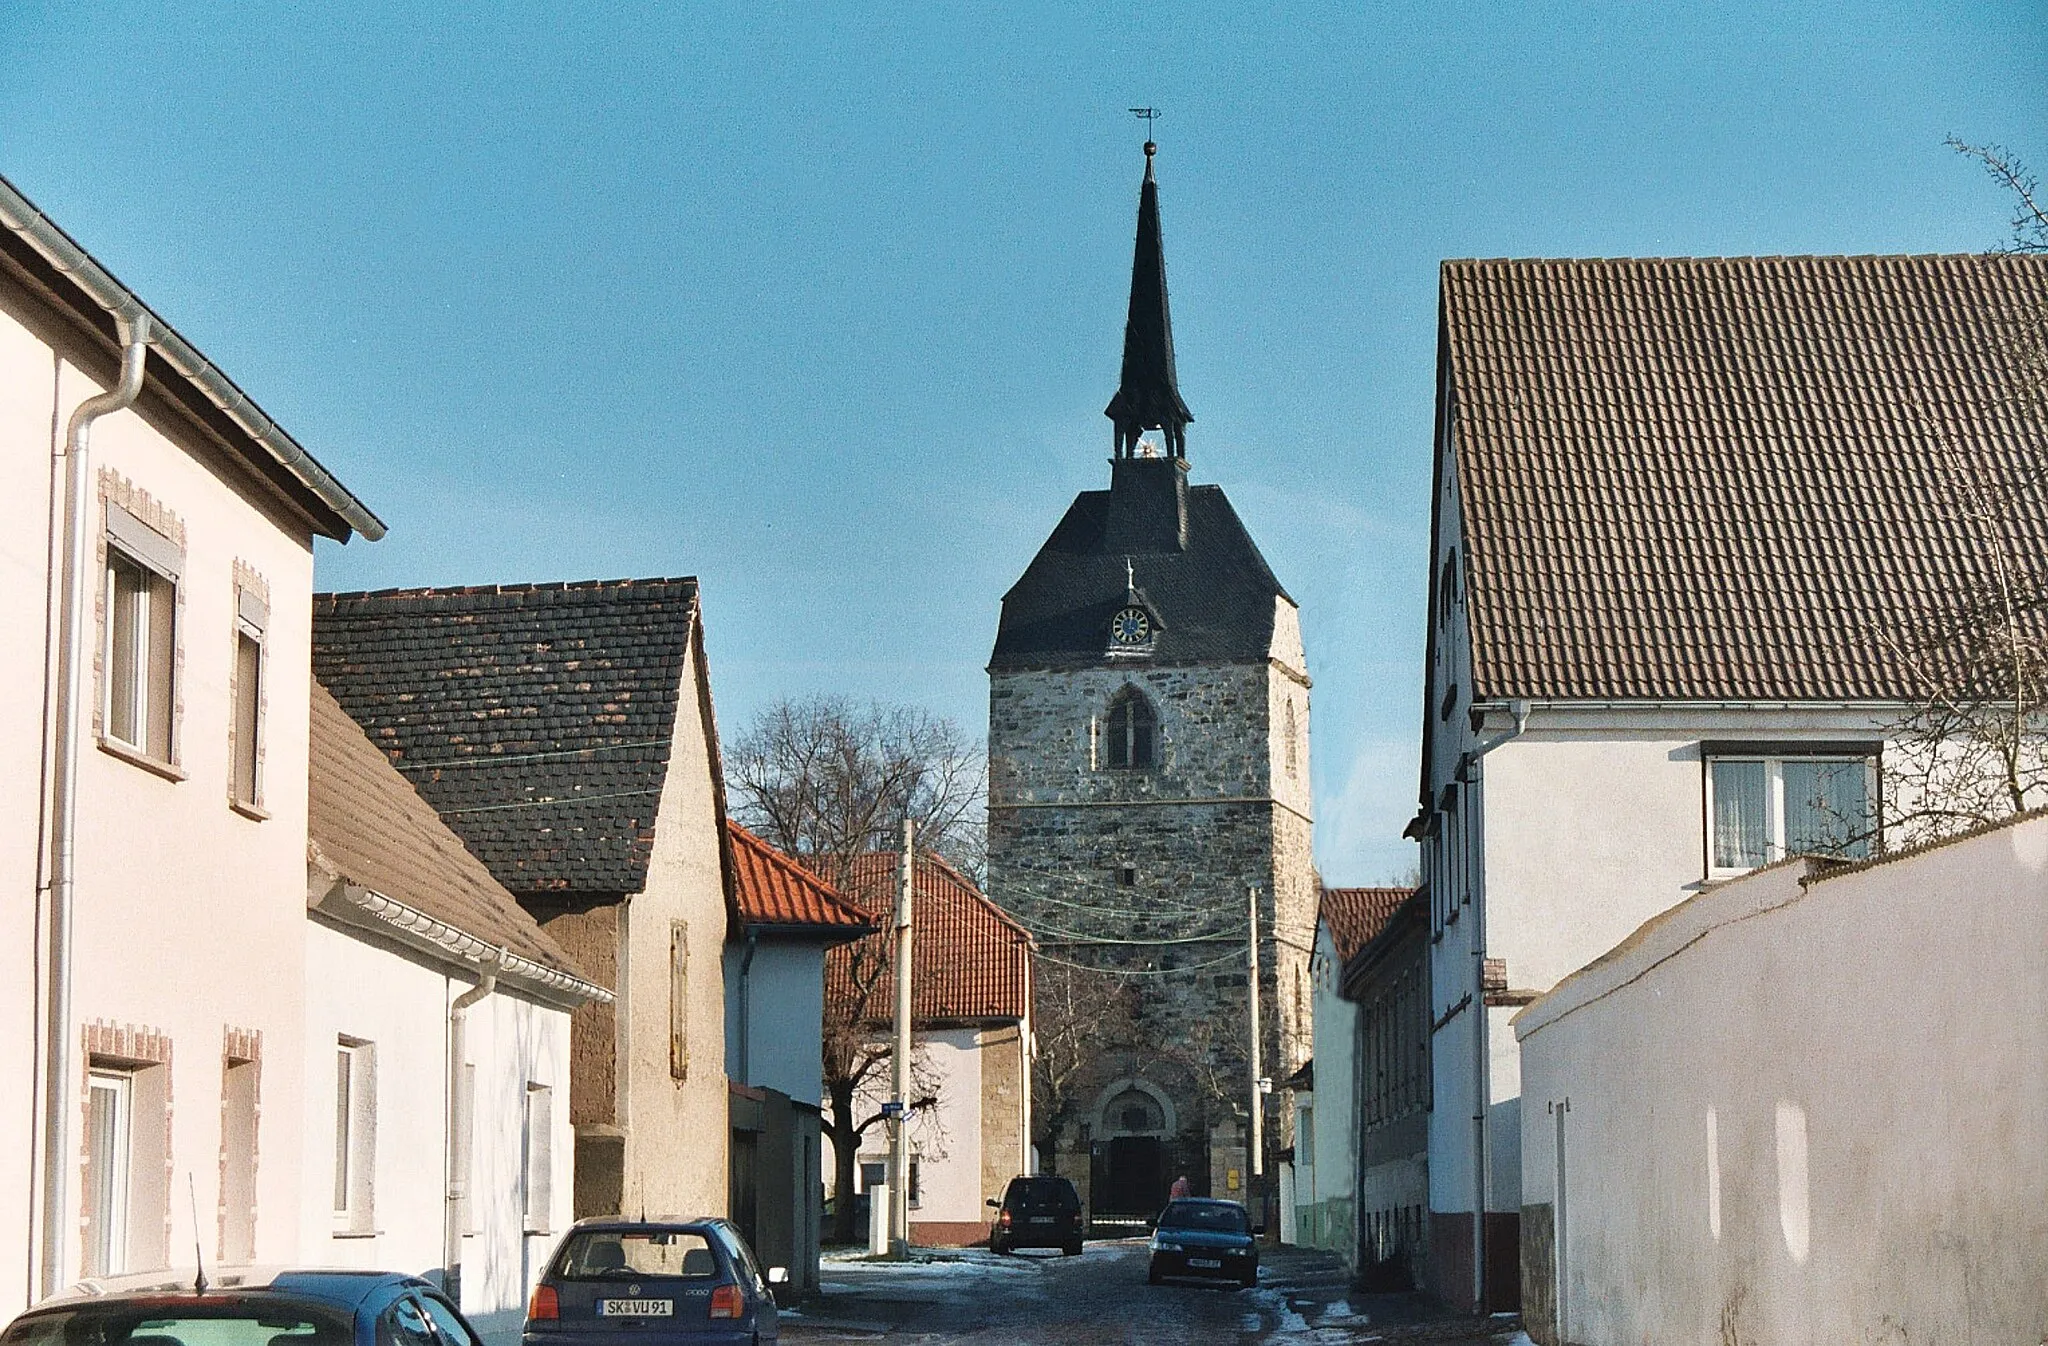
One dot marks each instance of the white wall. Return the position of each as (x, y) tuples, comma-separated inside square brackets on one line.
[(400, 1004), (188, 913), (785, 990), (1808, 1114), (946, 1138), (1326, 1157)]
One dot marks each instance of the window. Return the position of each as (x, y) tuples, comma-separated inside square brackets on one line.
[(679, 1000), (405, 1324), (448, 1324), (1764, 807), (140, 654), (245, 725), (110, 1108), (1293, 742), (537, 1162), (238, 1161), (1132, 729), (1127, 876), (355, 1135)]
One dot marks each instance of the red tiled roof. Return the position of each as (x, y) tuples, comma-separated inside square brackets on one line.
[(774, 890), (1733, 478), (970, 960), (1355, 915)]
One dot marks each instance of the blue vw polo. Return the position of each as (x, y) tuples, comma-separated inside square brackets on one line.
[(652, 1283)]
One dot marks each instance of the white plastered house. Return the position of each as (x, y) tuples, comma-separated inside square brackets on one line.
[(1687, 514), (153, 809), (437, 1127)]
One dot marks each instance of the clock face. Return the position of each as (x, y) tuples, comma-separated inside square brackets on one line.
[(1130, 627)]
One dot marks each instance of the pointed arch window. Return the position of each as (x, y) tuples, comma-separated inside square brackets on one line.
[(1133, 731)]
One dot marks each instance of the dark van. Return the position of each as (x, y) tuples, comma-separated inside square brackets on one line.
[(1037, 1212)]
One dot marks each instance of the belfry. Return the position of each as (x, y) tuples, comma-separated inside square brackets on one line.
[(1148, 793)]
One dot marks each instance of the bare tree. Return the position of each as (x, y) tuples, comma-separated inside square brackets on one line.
[(829, 780), (1075, 1011), (1973, 749)]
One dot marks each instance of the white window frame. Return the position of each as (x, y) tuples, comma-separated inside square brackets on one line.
[(116, 1173), (537, 1158), (249, 699), (1774, 775), (355, 1138), (141, 689)]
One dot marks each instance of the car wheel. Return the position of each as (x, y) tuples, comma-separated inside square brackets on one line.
[(1152, 1276), (1071, 1250), (1248, 1281)]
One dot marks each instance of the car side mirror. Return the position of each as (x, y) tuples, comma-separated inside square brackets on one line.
[(778, 1275), (995, 1203)]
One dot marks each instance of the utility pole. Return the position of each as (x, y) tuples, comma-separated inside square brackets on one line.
[(899, 1138), (1258, 1156)]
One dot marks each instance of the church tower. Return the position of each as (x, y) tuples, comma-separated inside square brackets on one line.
[(1149, 785)]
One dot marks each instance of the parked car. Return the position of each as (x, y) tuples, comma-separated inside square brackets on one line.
[(1037, 1212), (640, 1282), (1205, 1237), (245, 1306)]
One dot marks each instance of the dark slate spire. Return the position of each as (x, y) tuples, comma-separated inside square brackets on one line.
[(1148, 398)]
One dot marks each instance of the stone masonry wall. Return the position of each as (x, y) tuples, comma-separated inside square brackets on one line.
[(1084, 853)]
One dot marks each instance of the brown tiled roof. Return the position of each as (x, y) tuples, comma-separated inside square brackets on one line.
[(771, 889), (1729, 478), (536, 718), (970, 960), (370, 828), (1355, 915)]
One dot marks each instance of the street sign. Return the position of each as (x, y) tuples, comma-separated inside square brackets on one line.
[(892, 1109)]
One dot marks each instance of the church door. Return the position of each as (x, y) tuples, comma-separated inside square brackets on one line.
[(1136, 1181)]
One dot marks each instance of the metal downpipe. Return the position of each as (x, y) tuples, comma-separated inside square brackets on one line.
[(70, 713)]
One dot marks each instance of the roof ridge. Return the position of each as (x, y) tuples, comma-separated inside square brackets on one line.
[(523, 587)]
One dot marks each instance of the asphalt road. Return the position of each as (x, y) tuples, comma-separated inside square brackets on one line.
[(1101, 1296)]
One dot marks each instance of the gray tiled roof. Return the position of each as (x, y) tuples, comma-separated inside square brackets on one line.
[(1730, 478), (537, 719), (370, 827)]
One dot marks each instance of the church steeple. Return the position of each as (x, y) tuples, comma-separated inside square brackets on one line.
[(1148, 397)]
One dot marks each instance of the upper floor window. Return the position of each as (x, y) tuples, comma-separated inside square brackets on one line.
[(140, 654), (246, 692), (1766, 806), (1133, 730)]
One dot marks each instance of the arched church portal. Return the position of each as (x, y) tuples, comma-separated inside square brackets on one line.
[(1136, 1123)]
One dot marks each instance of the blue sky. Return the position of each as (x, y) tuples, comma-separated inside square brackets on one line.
[(823, 303)]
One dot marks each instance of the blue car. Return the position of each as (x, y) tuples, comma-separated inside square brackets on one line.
[(1207, 1238), (247, 1307), (652, 1283)]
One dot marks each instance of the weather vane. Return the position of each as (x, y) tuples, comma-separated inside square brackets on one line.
[(1148, 115)]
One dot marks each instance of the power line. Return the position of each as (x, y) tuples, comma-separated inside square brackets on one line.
[(552, 754)]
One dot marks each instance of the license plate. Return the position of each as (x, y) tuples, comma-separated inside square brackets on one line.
[(1206, 1263), (1042, 1219), (636, 1308)]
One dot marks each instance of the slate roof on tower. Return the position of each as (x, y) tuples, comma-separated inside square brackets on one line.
[(1214, 600), (1731, 478), (537, 719)]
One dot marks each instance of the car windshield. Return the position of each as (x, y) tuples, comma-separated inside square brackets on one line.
[(621, 1254), (1202, 1215), (243, 1324)]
